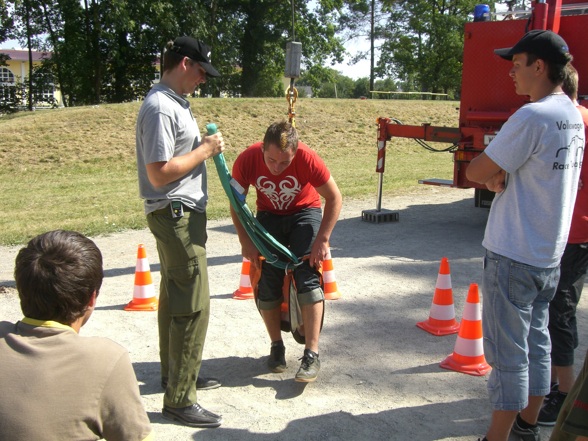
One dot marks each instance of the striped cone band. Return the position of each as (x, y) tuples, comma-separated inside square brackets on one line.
[(468, 347), (245, 283), (143, 288), (471, 311), (442, 312), (471, 330), (444, 281), (142, 265), (443, 297)]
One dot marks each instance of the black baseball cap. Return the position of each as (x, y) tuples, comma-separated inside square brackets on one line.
[(197, 51), (546, 45)]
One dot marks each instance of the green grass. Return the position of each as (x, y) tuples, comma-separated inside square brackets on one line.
[(75, 168)]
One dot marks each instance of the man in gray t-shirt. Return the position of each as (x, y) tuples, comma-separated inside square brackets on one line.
[(171, 157), (533, 165)]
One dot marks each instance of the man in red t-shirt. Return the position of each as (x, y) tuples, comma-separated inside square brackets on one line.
[(289, 179)]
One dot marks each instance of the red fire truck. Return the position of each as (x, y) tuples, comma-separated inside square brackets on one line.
[(488, 96)]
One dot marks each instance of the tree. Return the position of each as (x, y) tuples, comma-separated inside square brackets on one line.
[(424, 43), (362, 20), (6, 21), (260, 29), (362, 88), (105, 50)]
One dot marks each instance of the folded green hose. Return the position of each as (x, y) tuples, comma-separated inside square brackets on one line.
[(256, 232)]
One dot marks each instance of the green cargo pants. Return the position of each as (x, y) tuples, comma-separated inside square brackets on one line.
[(184, 300)]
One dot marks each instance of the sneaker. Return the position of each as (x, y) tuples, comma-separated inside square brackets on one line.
[(531, 434), (309, 368), (554, 389), (277, 359), (550, 410)]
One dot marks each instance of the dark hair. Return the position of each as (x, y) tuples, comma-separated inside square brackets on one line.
[(170, 58), (556, 72), (570, 82), (56, 274), (282, 134)]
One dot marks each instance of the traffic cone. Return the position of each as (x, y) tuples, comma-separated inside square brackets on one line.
[(468, 353), (245, 290), (143, 293), (441, 319), (330, 284)]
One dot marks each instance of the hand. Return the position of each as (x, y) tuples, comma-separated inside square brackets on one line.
[(251, 253), (318, 253), (496, 182), (215, 144)]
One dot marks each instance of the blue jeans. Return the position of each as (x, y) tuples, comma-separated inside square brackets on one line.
[(514, 320)]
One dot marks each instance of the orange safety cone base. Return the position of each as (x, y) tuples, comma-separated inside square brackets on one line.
[(476, 369), (434, 327), (332, 295), (142, 305), (241, 294)]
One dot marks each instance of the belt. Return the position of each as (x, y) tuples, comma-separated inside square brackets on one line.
[(167, 210)]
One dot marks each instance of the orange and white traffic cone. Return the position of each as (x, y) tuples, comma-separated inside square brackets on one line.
[(245, 290), (329, 281), (441, 319), (143, 293), (468, 353)]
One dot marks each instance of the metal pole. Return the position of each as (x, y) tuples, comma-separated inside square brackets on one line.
[(380, 184)]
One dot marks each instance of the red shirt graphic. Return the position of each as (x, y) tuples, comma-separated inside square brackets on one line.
[(292, 190)]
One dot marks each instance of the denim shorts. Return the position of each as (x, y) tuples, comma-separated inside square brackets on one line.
[(514, 320)]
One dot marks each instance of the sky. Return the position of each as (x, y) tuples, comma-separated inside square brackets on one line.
[(360, 69)]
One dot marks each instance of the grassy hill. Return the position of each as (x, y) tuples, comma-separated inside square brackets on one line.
[(74, 168)]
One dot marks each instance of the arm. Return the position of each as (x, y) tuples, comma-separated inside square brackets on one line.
[(333, 202), (248, 249), (484, 170), (121, 413), (162, 173)]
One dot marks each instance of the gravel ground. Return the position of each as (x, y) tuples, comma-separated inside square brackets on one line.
[(380, 377)]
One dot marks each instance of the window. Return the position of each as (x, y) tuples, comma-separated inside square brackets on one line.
[(46, 95), (7, 86), (6, 77)]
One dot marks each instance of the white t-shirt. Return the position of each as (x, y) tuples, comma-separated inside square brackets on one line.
[(541, 148)]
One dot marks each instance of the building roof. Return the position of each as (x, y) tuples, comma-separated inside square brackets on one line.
[(23, 55)]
